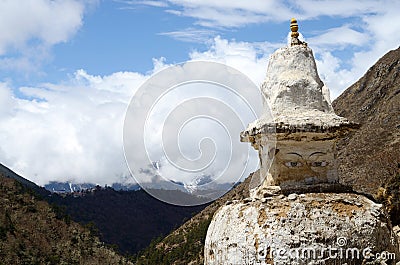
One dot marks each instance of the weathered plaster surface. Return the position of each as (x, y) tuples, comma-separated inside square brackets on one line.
[(251, 231), (292, 82)]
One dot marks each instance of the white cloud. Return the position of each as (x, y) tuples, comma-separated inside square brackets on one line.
[(29, 27), (383, 29), (130, 4), (332, 75), (378, 37), (190, 35), (223, 13), (71, 131), (153, 3), (339, 38), (249, 58), (339, 8), (226, 13)]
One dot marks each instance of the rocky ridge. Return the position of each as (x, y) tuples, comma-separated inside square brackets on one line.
[(369, 158)]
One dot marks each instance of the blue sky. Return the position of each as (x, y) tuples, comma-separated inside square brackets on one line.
[(114, 36), (70, 67)]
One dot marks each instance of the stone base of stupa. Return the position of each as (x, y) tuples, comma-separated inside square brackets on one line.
[(312, 228)]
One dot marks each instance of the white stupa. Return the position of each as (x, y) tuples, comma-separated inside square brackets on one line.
[(298, 213)]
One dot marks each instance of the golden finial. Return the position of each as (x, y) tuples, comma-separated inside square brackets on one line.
[(294, 27)]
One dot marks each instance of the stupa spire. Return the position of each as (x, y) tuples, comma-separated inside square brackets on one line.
[(294, 27)]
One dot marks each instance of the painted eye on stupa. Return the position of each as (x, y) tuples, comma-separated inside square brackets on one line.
[(293, 164), (319, 164)]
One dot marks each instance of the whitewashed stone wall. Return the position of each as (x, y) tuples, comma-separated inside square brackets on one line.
[(324, 228)]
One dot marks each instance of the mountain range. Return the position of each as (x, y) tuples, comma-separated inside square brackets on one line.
[(70, 187)]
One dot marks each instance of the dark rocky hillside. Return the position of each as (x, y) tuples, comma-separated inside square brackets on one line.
[(125, 220), (370, 158), (128, 220), (31, 232), (5, 171)]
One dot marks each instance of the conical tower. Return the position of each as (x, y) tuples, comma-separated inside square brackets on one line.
[(297, 143)]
